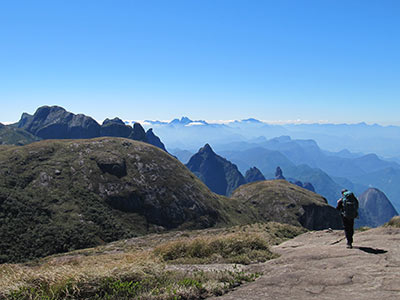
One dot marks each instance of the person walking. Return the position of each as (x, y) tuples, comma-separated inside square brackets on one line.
[(348, 207)]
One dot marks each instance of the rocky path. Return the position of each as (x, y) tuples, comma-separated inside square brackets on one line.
[(317, 265)]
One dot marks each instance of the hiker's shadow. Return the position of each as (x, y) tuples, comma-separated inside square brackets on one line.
[(372, 250)]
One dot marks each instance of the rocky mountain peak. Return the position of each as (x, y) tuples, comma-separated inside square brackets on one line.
[(182, 121), (207, 149), (279, 173), (253, 174), (220, 175), (138, 133), (154, 140), (116, 120)]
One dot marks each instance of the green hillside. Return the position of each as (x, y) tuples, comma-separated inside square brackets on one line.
[(60, 195), (281, 201), (15, 136)]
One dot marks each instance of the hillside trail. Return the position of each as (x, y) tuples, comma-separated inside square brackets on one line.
[(317, 265)]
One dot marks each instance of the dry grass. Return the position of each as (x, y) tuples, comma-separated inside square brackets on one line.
[(394, 222), (135, 268), (237, 248)]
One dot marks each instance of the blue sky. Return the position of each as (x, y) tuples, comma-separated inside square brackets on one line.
[(335, 61)]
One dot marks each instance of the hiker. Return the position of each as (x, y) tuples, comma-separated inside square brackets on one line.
[(348, 206)]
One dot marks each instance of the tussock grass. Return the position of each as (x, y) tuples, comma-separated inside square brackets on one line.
[(233, 248), (140, 268), (394, 222)]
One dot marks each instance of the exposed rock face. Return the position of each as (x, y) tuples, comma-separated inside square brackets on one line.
[(111, 164), (138, 133), (154, 140), (317, 265), (281, 201), (375, 208), (279, 173), (220, 175), (254, 174), (115, 127), (54, 122)]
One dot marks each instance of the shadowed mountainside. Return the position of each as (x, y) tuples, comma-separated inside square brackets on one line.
[(219, 174)]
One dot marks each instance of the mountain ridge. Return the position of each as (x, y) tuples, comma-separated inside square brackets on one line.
[(55, 122)]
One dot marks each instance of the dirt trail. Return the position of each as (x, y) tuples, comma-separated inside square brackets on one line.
[(317, 265)]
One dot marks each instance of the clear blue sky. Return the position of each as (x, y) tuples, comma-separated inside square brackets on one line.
[(208, 59)]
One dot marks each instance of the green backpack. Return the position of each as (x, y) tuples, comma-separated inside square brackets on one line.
[(350, 205)]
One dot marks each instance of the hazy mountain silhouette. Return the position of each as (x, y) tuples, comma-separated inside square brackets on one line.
[(383, 140), (375, 208)]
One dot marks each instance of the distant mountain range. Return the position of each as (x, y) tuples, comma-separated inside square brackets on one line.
[(304, 160), (240, 151), (190, 134), (224, 178)]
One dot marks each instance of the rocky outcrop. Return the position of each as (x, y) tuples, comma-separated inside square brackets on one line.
[(219, 174), (281, 201), (115, 127), (112, 164), (54, 122), (317, 265), (138, 133), (154, 140), (253, 174), (375, 208), (306, 185), (279, 173)]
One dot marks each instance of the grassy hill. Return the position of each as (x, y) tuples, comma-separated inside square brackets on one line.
[(61, 195), (281, 201)]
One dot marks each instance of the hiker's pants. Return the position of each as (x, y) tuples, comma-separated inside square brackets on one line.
[(348, 224)]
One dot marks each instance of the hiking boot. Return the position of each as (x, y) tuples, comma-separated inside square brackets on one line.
[(349, 246)]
